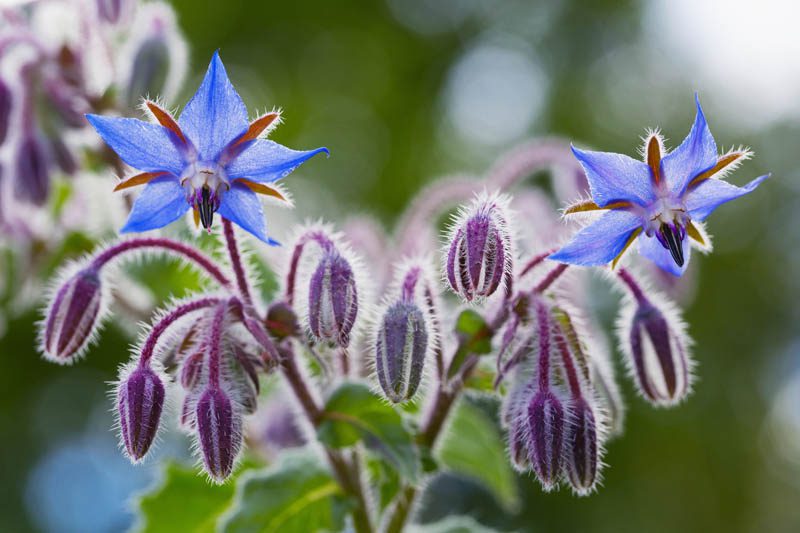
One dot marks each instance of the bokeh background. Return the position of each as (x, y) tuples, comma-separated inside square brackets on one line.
[(404, 91)]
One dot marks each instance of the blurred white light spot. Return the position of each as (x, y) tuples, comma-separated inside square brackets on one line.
[(495, 93), (745, 52)]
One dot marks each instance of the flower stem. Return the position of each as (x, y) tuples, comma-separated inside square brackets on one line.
[(347, 475), (534, 261), (550, 278), (633, 285), (161, 326), (215, 344), (236, 261), (205, 263)]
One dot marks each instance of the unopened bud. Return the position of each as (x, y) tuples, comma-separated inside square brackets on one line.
[(73, 317), (281, 321), (150, 70), (657, 348), (582, 446), (480, 249), (140, 400), (546, 447), (32, 183), (192, 370), (400, 348), (219, 432), (332, 299), (113, 11)]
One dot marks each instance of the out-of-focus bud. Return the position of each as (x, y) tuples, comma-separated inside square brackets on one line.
[(114, 11), (191, 372), (332, 299), (519, 435), (400, 347), (5, 110), (63, 156), (150, 71), (32, 181), (219, 432), (72, 317), (140, 400), (480, 252), (547, 427), (659, 358), (582, 446), (281, 321)]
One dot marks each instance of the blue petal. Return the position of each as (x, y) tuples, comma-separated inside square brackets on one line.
[(162, 202), (600, 242), (241, 206), (712, 193), (267, 161), (216, 114), (616, 177), (144, 146), (697, 153), (655, 252)]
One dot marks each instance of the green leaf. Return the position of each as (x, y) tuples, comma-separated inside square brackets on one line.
[(353, 413), (183, 501), (474, 338), (295, 494), (473, 447), (454, 524)]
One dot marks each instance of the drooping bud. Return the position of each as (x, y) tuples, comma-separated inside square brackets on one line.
[(281, 321), (219, 432), (192, 370), (546, 447), (332, 299), (5, 110), (659, 358), (519, 435), (140, 400), (112, 11), (582, 446), (32, 183), (73, 317), (400, 349), (480, 252)]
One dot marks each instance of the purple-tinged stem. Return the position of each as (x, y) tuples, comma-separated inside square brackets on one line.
[(197, 258), (215, 343), (573, 380), (314, 235), (535, 261), (633, 285), (409, 284), (236, 261), (530, 157), (550, 278), (161, 326)]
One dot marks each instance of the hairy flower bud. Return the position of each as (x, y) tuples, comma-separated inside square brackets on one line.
[(281, 321), (332, 299), (73, 316), (140, 400), (659, 359), (582, 446), (112, 11), (546, 446), (219, 432), (480, 249), (400, 348), (32, 182), (191, 372), (150, 70)]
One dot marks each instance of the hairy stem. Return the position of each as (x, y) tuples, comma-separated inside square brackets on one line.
[(236, 261), (636, 289), (166, 321), (550, 278), (215, 344), (198, 259)]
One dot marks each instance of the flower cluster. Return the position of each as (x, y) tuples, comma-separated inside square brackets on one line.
[(509, 309)]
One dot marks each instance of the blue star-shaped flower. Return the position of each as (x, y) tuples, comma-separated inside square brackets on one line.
[(211, 159), (662, 201)]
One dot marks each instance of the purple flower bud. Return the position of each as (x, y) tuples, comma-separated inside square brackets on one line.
[(332, 299), (480, 249), (187, 418), (582, 446), (32, 182), (112, 11), (519, 435), (73, 317), (150, 71), (140, 400), (192, 370), (546, 446), (658, 356), (63, 156), (281, 321), (5, 110), (400, 348), (219, 431)]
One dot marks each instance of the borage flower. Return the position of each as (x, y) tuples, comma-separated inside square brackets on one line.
[(210, 159), (663, 200)]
